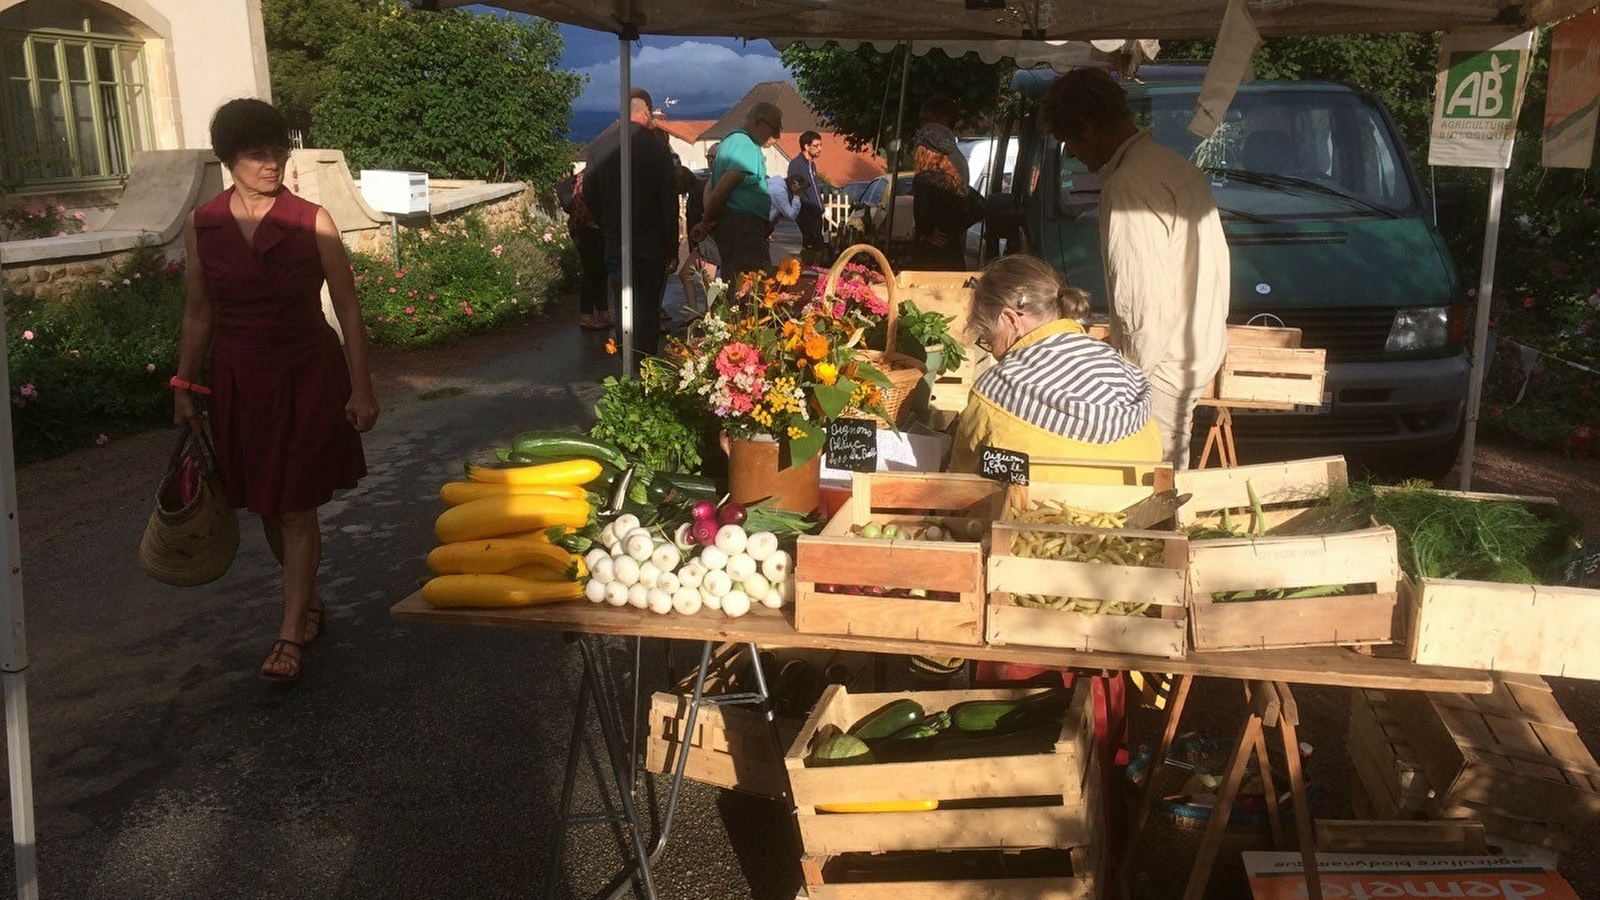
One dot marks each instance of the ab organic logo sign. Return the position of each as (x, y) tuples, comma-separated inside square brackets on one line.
[(1482, 85)]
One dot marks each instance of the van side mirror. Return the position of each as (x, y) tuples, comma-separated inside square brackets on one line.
[(1449, 203)]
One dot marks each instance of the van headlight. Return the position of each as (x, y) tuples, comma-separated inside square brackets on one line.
[(1426, 328)]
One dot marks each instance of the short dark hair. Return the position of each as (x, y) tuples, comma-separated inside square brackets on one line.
[(807, 137), (247, 124), (640, 93), (1083, 97)]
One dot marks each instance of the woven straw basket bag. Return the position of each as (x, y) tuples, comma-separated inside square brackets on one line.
[(190, 540), (904, 372)]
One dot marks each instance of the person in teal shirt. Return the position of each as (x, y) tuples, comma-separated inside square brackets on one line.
[(737, 200)]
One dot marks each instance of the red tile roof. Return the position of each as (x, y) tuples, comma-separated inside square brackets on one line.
[(688, 130)]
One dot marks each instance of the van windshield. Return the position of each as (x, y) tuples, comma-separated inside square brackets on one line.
[(1279, 154)]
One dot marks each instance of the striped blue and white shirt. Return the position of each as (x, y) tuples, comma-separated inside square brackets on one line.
[(1069, 384)]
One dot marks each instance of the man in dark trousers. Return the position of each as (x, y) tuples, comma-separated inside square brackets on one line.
[(655, 218), (804, 167)]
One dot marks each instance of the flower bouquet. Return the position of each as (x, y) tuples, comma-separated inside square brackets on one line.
[(771, 357)]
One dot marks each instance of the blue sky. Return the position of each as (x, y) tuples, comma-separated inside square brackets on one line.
[(689, 78)]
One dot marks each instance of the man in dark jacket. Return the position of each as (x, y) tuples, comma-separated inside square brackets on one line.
[(804, 166), (655, 217)]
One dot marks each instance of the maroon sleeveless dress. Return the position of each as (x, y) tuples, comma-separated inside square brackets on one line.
[(279, 382)]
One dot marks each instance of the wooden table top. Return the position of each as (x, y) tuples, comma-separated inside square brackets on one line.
[(775, 628)]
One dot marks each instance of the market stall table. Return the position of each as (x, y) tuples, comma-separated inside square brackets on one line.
[(1266, 671)]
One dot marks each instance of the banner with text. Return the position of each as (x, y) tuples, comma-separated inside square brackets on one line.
[(1477, 96), (1574, 94)]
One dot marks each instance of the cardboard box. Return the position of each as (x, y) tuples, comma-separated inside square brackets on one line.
[(1348, 876)]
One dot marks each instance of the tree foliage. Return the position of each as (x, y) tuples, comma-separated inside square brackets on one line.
[(858, 90), (301, 35), (452, 93)]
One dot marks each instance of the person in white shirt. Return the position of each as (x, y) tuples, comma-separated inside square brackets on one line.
[(1161, 240)]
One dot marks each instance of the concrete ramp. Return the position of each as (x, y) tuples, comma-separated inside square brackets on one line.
[(162, 187), (323, 177)]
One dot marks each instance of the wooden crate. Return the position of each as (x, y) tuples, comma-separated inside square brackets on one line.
[(958, 875), (1031, 800), (1382, 761), (1162, 632), (1274, 375), (730, 748), (1101, 485), (1512, 752), (838, 557), (1364, 557), (1534, 629)]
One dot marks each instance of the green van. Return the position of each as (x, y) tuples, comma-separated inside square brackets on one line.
[(1330, 232)]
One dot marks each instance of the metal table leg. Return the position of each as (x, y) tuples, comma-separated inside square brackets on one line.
[(597, 686)]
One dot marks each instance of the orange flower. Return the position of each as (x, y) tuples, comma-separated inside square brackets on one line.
[(611, 346), (816, 345), (788, 272), (746, 282)]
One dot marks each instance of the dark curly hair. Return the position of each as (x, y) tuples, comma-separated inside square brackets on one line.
[(1080, 98), (246, 124)]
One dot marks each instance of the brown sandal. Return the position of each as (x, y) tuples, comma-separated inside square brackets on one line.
[(281, 666), (314, 623)]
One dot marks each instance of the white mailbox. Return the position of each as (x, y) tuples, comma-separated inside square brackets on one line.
[(398, 193)]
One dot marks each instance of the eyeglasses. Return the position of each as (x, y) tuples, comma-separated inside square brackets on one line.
[(266, 154), (984, 345)]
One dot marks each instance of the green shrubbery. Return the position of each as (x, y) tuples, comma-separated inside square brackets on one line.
[(95, 366), (459, 278)]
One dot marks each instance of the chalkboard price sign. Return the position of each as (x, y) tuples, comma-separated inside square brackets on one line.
[(853, 445), (1582, 569), (1009, 466)]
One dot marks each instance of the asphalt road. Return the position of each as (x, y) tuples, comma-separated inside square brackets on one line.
[(411, 761)]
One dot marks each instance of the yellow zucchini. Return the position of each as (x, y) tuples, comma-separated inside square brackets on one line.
[(568, 471), (880, 806), (452, 591), (492, 555), (572, 572), (456, 493), (508, 514)]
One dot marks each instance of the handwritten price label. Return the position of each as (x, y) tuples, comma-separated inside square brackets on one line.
[(853, 445), (999, 464)]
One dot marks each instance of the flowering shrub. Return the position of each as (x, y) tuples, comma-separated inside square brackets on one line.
[(459, 277), (21, 221), (770, 357), (1547, 298), (96, 365)]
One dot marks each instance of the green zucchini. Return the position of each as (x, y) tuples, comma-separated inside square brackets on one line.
[(544, 445), (888, 719), (980, 715), (691, 484), (956, 745), (670, 487)]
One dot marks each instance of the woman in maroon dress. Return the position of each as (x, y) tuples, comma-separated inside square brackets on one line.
[(286, 404)]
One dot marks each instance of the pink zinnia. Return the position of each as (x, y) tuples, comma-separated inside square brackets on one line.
[(737, 357)]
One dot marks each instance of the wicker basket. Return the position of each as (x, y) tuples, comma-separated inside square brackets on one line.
[(904, 372)]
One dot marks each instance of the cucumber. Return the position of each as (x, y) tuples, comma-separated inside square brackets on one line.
[(956, 745), (671, 487), (888, 719), (550, 444)]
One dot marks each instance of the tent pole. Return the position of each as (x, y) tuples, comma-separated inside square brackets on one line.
[(1480, 336), (14, 649), (899, 146), (625, 135)]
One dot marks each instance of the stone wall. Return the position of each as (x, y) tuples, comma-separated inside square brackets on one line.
[(501, 212)]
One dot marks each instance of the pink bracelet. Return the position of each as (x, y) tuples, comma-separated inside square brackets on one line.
[(200, 389)]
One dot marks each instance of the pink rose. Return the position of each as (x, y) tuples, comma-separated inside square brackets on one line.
[(149, 367), (28, 390), (100, 439), (410, 311), (27, 335)]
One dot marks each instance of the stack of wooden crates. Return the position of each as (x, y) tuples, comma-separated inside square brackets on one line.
[(948, 294), (1511, 760), (1009, 827)]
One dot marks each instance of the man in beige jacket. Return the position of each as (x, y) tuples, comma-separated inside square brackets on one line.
[(1166, 260)]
